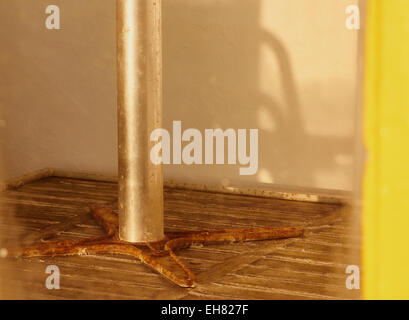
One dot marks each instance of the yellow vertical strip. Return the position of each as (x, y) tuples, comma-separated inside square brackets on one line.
[(386, 133)]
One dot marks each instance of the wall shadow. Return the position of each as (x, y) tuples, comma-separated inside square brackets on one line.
[(212, 72)]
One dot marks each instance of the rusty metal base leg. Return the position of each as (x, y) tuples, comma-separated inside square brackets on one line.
[(158, 255)]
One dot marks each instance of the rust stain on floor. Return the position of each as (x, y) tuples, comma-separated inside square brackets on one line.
[(312, 267)]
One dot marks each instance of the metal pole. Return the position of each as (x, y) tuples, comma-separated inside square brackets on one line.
[(139, 45)]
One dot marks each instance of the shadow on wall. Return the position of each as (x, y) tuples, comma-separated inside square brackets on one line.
[(284, 67), (213, 78)]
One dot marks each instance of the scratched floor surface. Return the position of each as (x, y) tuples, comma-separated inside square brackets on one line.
[(312, 267)]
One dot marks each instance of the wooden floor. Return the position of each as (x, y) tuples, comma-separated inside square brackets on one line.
[(312, 267)]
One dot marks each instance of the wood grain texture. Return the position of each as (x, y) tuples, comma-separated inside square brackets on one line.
[(312, 267)]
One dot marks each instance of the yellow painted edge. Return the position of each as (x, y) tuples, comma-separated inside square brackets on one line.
[(385, 254)]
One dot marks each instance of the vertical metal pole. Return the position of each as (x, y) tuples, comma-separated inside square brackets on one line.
[(139, 45)]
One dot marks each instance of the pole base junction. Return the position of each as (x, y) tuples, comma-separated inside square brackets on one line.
[(160, 255)]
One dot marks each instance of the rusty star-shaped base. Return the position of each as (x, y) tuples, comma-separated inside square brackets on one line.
[(151, 253)]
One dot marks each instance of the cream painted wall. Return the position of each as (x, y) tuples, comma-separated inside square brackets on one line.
[(286, 67)]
